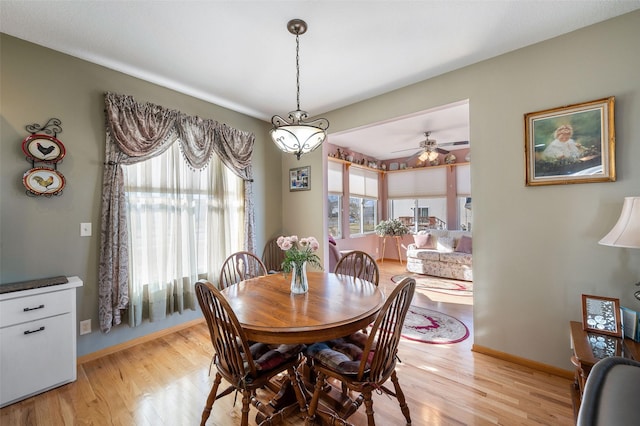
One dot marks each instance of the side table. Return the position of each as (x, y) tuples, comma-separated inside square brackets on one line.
[(588, 349), (384, 246)]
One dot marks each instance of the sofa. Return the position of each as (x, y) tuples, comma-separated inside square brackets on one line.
[(441, 253)]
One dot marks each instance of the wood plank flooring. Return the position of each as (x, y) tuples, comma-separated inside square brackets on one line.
[(166, 382)]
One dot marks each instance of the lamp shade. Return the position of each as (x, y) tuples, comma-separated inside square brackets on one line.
[(626, 232)]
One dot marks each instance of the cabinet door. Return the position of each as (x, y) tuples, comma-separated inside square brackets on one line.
[(38, 360)]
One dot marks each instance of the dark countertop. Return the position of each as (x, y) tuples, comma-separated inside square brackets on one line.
[(31, 284)]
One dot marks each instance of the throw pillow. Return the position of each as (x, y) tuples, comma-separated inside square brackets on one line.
[(445, 244), (464, 245), (424, 241)]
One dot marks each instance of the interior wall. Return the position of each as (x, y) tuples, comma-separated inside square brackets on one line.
[(40, 236), (535, 248)]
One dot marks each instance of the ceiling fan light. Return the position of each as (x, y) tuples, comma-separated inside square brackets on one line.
[(428, 156)]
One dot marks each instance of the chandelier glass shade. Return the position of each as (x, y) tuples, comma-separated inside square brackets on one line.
[(298, 135)]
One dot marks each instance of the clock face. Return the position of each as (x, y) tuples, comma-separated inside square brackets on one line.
[(43, 148)]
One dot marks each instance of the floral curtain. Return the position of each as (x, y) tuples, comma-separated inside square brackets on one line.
[(136, 132)]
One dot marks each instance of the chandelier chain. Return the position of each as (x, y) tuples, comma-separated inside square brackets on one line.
[(298, 70)]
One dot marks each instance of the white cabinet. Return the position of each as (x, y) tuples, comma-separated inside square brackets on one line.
[(37, 339)]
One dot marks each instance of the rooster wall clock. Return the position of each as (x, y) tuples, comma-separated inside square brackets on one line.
[(43, 146)]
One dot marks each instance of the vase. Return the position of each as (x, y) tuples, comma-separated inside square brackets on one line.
[(299, 283)]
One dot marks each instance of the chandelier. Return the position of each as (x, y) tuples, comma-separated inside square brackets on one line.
[(298, 136)]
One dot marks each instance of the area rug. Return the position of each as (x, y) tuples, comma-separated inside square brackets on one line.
[(440, 285), (428, 326)]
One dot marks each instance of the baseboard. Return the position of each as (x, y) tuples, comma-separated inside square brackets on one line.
[(143, 339), (545, 368)]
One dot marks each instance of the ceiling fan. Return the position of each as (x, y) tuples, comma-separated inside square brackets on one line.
[(430, 148)]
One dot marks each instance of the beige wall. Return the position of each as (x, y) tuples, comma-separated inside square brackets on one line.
[(535, 248), (40, 237)]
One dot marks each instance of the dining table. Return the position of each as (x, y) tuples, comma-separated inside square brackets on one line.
[(334, 306)]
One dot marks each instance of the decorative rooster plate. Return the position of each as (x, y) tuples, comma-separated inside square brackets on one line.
[(43, 181), (43, 148)]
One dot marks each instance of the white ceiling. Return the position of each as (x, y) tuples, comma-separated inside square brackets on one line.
[(239, 54)]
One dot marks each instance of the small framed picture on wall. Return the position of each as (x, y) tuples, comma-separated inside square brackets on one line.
[(601, 315), (300, 179)]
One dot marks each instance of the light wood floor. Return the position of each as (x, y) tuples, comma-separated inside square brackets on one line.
[(166, 381)]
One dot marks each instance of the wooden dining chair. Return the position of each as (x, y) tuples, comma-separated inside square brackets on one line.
[(358, 264), (363, 362), (272, 256), (246, 367), (240, 266)]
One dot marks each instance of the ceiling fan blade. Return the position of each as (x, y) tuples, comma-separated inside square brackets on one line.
[(402, 150), (454, 143), (442, 151)]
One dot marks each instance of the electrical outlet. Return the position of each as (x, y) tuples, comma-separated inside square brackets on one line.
[(85, 229), (85, 327)]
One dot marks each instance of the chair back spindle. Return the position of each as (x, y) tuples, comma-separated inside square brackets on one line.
[(241, 266), (385, 333), (272, 256), (359, 264)]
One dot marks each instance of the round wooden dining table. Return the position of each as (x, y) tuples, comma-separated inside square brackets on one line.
[(335, 306)]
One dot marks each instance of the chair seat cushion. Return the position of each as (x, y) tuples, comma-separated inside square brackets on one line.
[(341, 355), (267, 357)]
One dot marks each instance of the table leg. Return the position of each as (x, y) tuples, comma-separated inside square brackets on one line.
[(399, 252)]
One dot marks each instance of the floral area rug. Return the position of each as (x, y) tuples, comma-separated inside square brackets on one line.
[(440, 285), (428, 326)]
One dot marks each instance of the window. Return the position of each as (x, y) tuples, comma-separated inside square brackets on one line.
[(419, 198), (335, 210), (363, 200), (464, 213), (335, 191), (181, 225), (463, 192), (363, 215), (420, 213)]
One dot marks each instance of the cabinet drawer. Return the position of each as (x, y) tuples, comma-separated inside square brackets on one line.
[(23, 309), (39, 360)]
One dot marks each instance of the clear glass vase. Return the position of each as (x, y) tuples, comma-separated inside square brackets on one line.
[(299, 283)]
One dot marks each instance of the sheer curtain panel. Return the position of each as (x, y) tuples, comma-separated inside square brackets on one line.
[(183, 147)]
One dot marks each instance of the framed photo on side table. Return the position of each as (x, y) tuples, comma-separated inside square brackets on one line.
[(570, 144), (601, 315), (300, 179)]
